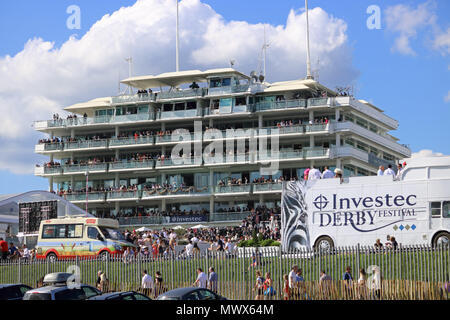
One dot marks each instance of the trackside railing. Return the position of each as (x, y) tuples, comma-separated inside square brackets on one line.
[(408, 272)]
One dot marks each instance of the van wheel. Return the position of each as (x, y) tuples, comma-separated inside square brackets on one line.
[(441, 239), (51, 257), (324, 244), (104, 255)]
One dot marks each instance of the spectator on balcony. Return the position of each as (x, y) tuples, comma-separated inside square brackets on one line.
[(306, 174), (389, 171), (314, 174), (380, 171), (398, 176), (194, 85), (327, 173)]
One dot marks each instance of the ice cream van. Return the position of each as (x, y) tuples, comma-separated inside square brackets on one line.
[(71, 237)]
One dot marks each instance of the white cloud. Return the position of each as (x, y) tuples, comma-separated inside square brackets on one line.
[(442, 42), (426, 153), (447, 97), (407, 21), (43, 78)]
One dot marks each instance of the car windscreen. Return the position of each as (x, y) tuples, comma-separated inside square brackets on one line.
[(113, 234), (37, 296), (167, 298)]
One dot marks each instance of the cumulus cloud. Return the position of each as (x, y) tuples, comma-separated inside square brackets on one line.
[(407, 21), (447, 97), (442, 42), (43, 78), (426, 153)]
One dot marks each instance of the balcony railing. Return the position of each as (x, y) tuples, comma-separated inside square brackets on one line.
[(286, 104), (144, 116), (187, 191), (180, 114), (117, 195), (140, 164), (228, 216), (85, 144), (264, 187), (240, 188), (317, 102), (175, 94), (49, 170), (231, 159), (167, 138), (295, 154), (131, 141), (228, 89), (97, 167), (142, 97), (81, 196), (143, 220), (179, 162)]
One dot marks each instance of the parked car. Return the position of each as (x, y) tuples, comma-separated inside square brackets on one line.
[(190, 293), (55, 288), (13, 291), (127, 295)]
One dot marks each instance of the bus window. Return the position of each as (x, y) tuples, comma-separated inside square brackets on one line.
[(92, 233), (49, 232), (446, 209), (435, 209)]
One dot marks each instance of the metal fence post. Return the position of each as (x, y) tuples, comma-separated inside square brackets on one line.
[(19, 280), (172, 271)]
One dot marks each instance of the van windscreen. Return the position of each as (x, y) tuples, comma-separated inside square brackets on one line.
[(113, 234)]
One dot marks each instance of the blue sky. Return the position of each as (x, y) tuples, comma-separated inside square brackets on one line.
[(409, 87)]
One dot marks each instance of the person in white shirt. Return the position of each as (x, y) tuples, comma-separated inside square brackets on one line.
[(314, 174), (147, 283), (380, 171), (202, 279), (293, 277), (327, 174), (189, 247), (389, 171), (194, 239), (26, 252), (398, 176)]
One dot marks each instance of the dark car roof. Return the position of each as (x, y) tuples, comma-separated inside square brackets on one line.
[(12, 285), (179, 292), (111, 294)]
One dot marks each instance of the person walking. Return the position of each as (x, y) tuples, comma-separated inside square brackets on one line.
[(159, 288), (4, 248), (362, 284), (348, 282), (147, 283), (293, 282), (213, 280), (259, 286), (202, 279), (269, 291)]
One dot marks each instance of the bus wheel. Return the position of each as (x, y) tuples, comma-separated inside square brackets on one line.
[(324, 244), (441, 239), (104, 255), (51, 257)]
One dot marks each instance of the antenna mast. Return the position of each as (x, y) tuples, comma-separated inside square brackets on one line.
[(177, 44), (308, 57), (130, 72)]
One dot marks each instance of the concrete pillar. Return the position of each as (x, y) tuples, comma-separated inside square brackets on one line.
[(211, 179), (261, 199), (338, 140), (260, 121), (117, 206), (163, 205), (311, 141), (337, 114), (72, 133), (72, 182), (116, 179), (311, 115), (211, 205), (339, 163), (117, 131), (163, 126), (163, 178), (211, 123), (50, 184), (356, 171), (117, 154)]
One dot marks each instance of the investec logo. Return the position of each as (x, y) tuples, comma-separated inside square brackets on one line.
[(359, 211)]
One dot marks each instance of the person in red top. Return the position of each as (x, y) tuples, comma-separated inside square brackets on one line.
[(4, 248)]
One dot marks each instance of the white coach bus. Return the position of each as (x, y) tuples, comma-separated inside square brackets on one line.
[(327, 213)]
